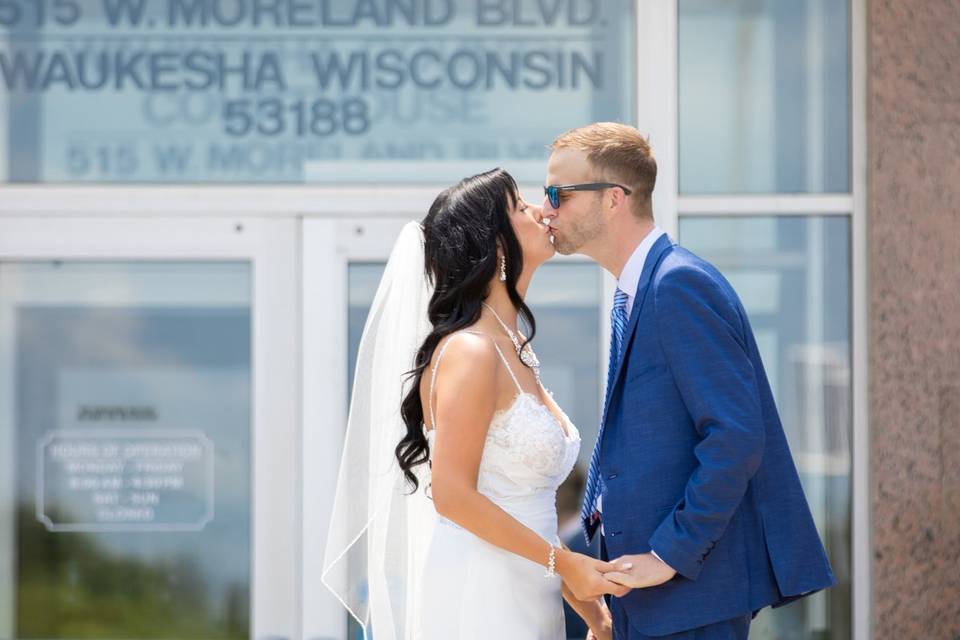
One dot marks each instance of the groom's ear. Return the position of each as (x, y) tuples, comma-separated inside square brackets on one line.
[(618, 199), (611, 197)]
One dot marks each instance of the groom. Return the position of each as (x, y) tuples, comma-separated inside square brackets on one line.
[(691, 478)]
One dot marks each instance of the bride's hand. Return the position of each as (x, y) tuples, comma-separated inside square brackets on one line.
[(584, 575), (604, 632)]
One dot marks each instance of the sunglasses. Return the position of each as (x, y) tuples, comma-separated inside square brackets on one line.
[(553, 192)]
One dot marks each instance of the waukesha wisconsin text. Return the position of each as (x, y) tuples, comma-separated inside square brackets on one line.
[(423, 67)]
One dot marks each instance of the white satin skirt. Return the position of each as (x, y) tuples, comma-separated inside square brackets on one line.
[(474, 590)]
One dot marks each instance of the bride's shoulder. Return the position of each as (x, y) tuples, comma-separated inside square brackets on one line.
[(467, 347), (466, 355), (466, 362)]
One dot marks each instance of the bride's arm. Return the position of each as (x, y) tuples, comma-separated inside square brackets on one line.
[(593, 612), (464, 401)]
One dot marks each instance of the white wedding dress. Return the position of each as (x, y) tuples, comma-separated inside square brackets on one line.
[(474, 590)]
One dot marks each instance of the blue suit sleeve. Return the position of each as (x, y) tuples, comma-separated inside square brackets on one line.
[(701, 335)]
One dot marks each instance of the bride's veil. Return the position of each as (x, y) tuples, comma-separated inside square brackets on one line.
[(378, 532)]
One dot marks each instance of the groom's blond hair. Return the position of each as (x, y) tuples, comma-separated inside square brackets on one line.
[(619, 153)]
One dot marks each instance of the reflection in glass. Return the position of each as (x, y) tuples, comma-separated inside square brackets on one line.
[(306, 91), (793, 275), (125, 427), (564, 298), (764, 98)]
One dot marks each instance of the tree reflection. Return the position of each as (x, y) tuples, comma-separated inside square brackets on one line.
[(70, 586)]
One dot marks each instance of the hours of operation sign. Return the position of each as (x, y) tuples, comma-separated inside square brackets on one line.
[(304, 90), (118, 480)]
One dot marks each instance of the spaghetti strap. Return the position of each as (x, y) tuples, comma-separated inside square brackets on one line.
[(433, 379), (436, 365), (507, 365)]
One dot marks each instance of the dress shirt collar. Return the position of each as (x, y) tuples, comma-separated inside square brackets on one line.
[(630, 276)]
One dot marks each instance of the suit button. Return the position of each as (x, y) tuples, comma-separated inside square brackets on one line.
[(611, 476)]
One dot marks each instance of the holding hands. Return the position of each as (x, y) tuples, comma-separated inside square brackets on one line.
[(586, 576), (589, 578), (586, 579)]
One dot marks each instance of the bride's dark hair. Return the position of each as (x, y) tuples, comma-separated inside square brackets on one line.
[(461, 231)]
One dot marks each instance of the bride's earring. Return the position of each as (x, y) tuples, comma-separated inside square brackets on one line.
[(503, 268)]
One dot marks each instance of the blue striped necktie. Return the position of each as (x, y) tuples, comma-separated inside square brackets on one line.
[(618, 325)]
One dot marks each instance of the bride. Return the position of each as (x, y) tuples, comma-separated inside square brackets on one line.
[(445, 520)]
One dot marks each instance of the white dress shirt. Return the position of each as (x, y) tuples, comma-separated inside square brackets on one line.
[(627, 282), (630, 276)]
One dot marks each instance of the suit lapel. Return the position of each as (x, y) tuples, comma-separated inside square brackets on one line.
[(657, 252)]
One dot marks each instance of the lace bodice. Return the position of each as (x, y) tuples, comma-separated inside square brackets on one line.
[(527, 451)]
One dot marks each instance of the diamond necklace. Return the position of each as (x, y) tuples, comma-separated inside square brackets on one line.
[(525, 353)]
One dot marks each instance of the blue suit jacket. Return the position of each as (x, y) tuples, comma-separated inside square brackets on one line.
[(694, 461)]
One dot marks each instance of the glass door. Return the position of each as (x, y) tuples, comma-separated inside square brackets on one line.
[(142, 428), (765, 180), (793, 275), (343, 262)]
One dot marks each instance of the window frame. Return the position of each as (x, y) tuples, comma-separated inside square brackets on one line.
[(657, 68)]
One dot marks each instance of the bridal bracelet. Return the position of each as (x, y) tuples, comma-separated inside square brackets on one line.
[(552, 563)]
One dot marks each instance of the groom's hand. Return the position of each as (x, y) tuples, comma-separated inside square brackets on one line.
[(647, 571)]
